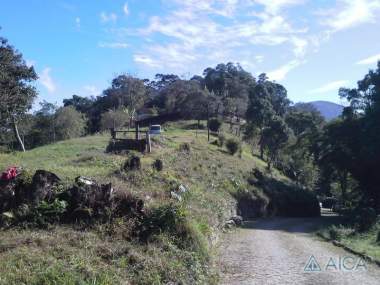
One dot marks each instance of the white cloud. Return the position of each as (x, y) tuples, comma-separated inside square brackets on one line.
[(369, 60), (281, 72), (331, 86), (350, 13), (77, 22), (93, 90), (146, 60), (46, 80), (114, 45), (199, 38), (274, 6), (126, 9), (111, 17)]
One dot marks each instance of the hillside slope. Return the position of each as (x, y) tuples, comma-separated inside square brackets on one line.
[(114, 253)]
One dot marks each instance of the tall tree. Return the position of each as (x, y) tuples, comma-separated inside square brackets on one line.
[(70, 123), (274, 137), (127, 92), (16, 92), (259, 112)]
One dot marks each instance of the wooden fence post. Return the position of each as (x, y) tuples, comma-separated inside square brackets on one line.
[(113, 133), (137, 131), (148, 143)]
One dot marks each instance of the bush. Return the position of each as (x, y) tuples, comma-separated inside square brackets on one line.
[(4, 149), (132, 163), (47, 213), (221, 140), (378, 237), (251, 204), (339, 232), (172, 220), (232, 146), (214, 124), (365, 219), (158, 165), (184, 147), (289, 200)]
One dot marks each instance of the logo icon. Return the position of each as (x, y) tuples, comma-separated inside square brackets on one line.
[(312, 265)]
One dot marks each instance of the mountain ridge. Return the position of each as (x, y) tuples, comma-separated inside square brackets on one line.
[(329, 110)]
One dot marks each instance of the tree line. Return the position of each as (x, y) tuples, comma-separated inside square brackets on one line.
[(337, 158)]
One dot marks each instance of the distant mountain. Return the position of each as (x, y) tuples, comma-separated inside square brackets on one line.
[(329, 110)]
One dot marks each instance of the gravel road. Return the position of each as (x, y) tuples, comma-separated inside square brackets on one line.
[(277, 251)]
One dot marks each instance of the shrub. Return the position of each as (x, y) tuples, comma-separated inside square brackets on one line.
[(172, 220), (378, 237), (289, 200), (48, 213), (232, 146), (184, 147), (132, 163), (158, 165), (251, 204), (4, 149), (365, 219), (339, 232), (221, 140), (214, 124)]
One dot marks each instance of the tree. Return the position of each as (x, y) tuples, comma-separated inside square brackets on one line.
[(337, 148), (302, 122), (231, 83), (127, 92), (353, 144), (274, 137), (259, 112), (16, 92), (114, 119), (297, 159), (44, 128), (69, 123)]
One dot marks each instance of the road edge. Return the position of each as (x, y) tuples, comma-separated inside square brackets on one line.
[(339, 244)]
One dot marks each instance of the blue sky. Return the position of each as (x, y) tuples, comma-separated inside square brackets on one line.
[(312, 47)]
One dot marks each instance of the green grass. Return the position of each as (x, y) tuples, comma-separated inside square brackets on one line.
[(82, 156), (361, 242), (108, 254)]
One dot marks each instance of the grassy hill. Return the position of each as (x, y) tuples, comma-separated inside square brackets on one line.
[(111, 253)]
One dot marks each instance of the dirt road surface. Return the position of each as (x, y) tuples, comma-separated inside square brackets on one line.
[(278, 251)]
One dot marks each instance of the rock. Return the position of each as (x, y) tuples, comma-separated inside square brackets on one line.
[(182, 189), (92, 195), (43, 186), (178, 192), (229, 224), (81, 180), (92, 200), (238, 220), (7, 195), (175, 195), (6, 218)]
